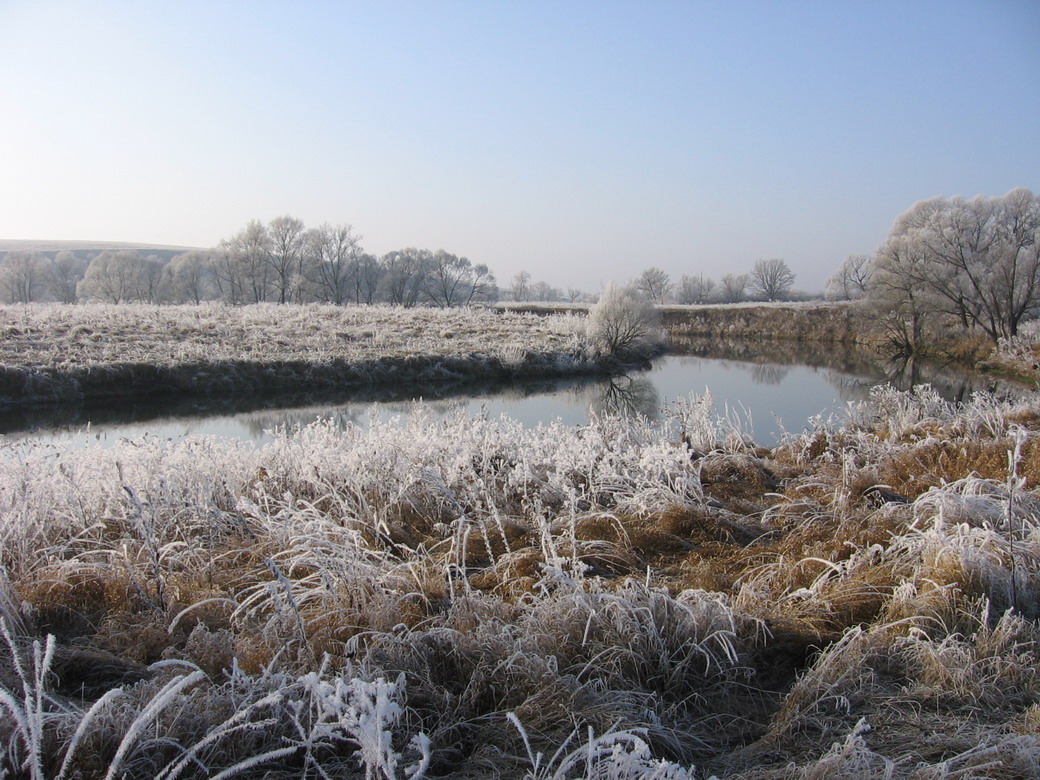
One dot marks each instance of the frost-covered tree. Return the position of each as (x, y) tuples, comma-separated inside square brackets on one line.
[(655, 284), (900, 304), (404, 276), (544, 292), (63, 275), (455, 281), (482, 288), (979, 258), (850, 282), (771, 279), (522, 286), (448, 279), (694, 289), (22, 276), (623, 323), (365, 278), (113, 277), (148, 282), (332, 258), (286, 254), (733, 287), (189, 277), (243, 271)]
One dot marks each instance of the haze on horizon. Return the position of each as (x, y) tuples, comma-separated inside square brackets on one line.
[(582, 142)]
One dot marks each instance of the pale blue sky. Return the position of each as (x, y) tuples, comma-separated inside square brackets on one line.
[(581, 141)]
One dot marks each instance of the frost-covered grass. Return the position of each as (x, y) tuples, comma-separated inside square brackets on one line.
[(1020, 354), (61, 352), (469, 598)]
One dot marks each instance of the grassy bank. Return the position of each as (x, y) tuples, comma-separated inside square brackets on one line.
[(823, 323), (54, 353), (851, 324), (468, 598)]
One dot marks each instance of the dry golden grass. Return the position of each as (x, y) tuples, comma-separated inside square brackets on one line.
[(761, 614)]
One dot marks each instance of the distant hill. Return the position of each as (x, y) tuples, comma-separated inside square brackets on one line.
[(89, 248)]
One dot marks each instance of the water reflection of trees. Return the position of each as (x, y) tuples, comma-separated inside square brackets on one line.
[(628, 396), (851, 371), (780, 352), (768, 373)]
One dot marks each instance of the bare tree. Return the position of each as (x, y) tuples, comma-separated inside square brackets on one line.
[(733, 287), (365, 278), (694, 289), (404, 275), (522, 286), (482, 287), (190, 277), (654, 284), (22, 276), (979, 260), (850, 282), (544, 292), (285, 255), (243, 269), (448, 279), (147, 282), (333, 252), (64, 273), (900, 304), (113, 277), (771, 279)]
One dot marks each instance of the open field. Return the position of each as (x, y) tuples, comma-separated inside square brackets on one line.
[(52, 353), (468, 598)]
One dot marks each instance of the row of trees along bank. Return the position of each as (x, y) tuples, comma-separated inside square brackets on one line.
[(281, 261)]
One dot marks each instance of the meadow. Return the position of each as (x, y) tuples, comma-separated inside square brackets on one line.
[(52, 353), (465, 597), (468, 598)]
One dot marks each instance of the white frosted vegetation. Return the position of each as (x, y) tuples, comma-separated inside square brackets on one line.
[(465, 597), (56, 352)]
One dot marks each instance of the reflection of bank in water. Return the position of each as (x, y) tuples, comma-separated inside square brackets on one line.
[(953, 382), (850, 370)]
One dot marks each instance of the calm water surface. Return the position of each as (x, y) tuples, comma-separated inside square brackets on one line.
[(770, 394)]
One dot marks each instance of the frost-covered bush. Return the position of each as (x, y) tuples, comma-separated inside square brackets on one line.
[(624, 324)]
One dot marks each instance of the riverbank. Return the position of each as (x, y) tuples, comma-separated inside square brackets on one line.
[(849, 324), (466, 594), (52, 353), (813, 321)]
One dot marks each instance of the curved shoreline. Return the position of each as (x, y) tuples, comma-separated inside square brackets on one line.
[(28, 386)]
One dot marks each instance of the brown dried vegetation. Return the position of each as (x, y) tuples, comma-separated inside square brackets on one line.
[(861, 601)]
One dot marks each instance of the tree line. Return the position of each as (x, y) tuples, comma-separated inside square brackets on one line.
[(768, 280), (281, 261), (973, 265)]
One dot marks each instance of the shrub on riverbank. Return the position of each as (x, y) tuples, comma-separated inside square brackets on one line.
[(470, 598)]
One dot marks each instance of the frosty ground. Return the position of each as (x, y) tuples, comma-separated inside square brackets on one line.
[(469, 598), (52, 353)]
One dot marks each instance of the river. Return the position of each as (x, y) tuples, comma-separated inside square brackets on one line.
[(768, 388)]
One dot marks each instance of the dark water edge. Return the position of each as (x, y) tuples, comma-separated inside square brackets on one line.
[(73, 415), (782, 379), (859, 367)]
